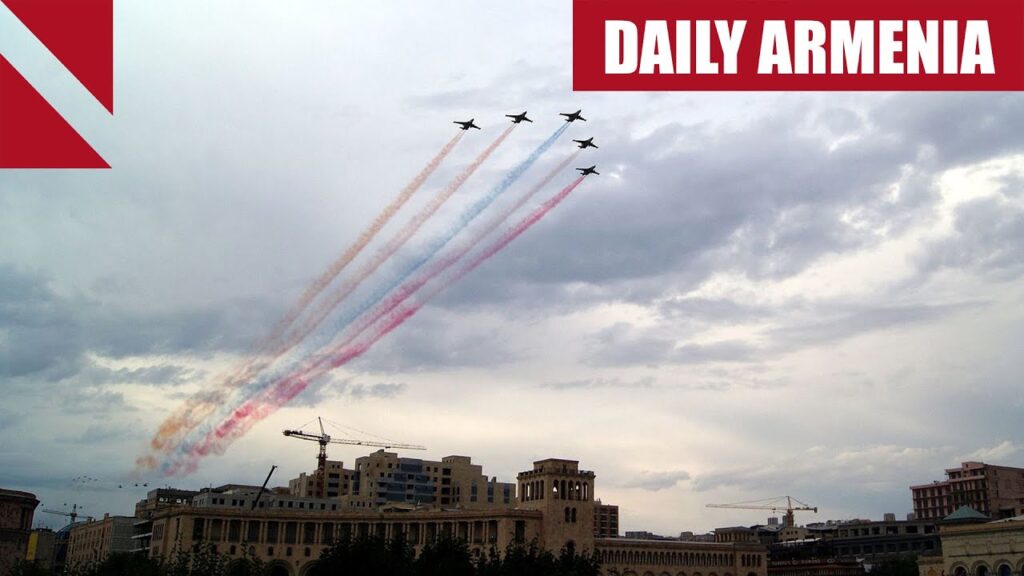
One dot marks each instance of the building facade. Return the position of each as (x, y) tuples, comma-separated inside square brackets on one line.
[(94, 540), (874, 541), (606, 520), (557, 509), (630, 557), (16, 512), (385, 479), (996, 491), (980, 549)]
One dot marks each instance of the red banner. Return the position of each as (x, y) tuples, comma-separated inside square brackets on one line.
[(964, 45)]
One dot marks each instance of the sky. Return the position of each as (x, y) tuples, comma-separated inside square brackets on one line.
[(812, 294)]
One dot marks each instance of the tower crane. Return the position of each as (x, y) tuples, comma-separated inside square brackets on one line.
[(787, 503), (73, 514), (324, 439)]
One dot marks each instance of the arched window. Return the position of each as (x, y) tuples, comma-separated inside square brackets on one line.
[(566, 513), (1005, 570), (573, 515), (981, 570)]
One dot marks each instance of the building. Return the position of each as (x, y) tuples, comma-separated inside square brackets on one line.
[(556, 508), (16, 512), (978, 548), (606, 520), (338, 481), (94, 540), (997, 491), (629, 557), (812, 557), (384, 479), (157, 500), (42, 548), (736, 534), (874, 541)]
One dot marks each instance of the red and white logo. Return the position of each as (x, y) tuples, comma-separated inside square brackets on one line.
[(80, 34)]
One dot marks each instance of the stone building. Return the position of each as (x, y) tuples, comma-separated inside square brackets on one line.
[(996, 491), (16, 512), (556, 508), (94, 540), (978, 549), (42, 548), (630, 557), (384, 479)]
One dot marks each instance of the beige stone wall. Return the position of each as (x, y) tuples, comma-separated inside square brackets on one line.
[(295, 540), (624, 557), (991, 549), (16, 512), (94, 540), (565, 496)]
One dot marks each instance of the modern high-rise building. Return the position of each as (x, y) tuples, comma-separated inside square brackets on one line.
[(996, 491)]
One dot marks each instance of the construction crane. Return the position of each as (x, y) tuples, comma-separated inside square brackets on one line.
[(775, 505), (324, 439), (73, 514)]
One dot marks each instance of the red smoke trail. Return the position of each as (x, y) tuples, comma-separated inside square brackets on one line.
[(397, 242), (410, 288), (199, 407), (365, 238), (256, 409)]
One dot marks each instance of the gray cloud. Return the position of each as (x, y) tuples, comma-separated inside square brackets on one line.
[(45, 335), (318, 392), (656, 481), (988, 236), (600, 382), (839, 324), (626, 345)]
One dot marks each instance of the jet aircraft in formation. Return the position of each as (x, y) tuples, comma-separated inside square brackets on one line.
[(517, 118), (573, 116), (569, 117), (466, 125)]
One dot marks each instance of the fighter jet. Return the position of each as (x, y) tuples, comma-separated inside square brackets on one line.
[(467, 125), (588, 143), (573, 116), (586, 171), (517, 118)]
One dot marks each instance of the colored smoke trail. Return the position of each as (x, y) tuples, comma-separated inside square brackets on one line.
[(183, 419), (201, 407), (405, 291), (364, 239), (256, 409), (426, 255), (325, 307), (442, 240)]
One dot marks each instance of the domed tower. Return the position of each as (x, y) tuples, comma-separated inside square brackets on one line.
[(565, 494)]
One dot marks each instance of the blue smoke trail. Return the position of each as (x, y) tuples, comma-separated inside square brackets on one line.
[(323, 337)]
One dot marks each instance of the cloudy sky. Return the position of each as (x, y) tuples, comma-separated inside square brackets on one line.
[(798, 293)]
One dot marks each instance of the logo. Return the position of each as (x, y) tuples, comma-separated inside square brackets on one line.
[(798, 45), (80, 34)]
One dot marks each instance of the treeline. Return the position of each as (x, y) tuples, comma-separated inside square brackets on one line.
[(362, 556)]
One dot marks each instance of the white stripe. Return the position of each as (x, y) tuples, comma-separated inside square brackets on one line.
[(56, 83)]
